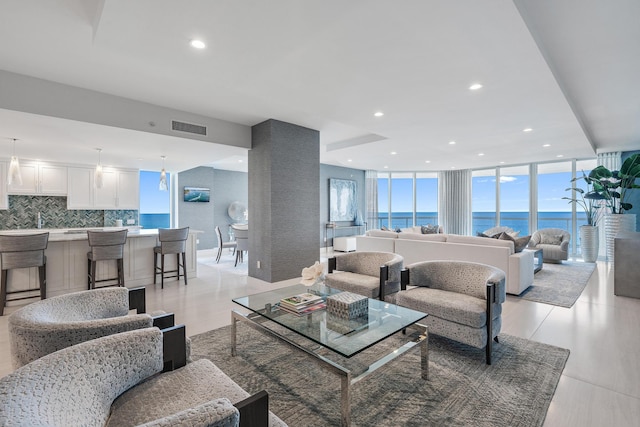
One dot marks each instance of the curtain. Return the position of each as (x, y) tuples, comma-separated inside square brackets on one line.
[(454, 201), (371, 198)]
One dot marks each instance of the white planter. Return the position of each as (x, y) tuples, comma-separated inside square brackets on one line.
[(589, 242), (615, 223)]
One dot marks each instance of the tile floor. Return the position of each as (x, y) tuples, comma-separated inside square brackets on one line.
[(600, 385)]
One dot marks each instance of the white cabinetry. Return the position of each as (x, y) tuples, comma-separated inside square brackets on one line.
[(4, 199), (120, 189), (41, 179)]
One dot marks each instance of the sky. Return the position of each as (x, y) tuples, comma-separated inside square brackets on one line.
[(152, 200)]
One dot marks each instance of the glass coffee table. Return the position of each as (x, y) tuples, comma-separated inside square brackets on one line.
[(325, 335)]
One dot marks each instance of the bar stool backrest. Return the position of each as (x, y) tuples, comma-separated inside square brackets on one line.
[(23, 251), (173, 240), (107, 244)]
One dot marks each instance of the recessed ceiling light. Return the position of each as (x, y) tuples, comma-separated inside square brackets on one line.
[(379, 114), (560, 155), (240, 161), (453, 167), (475, 86), (386, 167), (198, 44), (427, 161), (393, 153), (547, 145), (452, 143), (502, 163), (480, 154), (349, 160), (527, 130)]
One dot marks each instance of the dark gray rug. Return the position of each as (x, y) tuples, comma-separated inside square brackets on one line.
[(559, 284), (462, 390)]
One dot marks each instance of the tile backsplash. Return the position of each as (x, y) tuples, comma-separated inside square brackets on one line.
[(23, 211)]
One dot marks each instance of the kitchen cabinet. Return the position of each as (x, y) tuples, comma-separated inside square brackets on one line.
[(41, 179), (120, 189), (4, 199)]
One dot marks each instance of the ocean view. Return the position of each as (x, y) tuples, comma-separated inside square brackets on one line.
[(155, 220), (518, 221)]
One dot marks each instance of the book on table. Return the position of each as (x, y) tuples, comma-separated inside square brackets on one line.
[(302, 303)]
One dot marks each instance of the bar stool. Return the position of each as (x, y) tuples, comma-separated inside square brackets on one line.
[(172, 241), (23, 252), (105, 246)]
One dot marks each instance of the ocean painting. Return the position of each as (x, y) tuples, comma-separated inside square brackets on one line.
[(196, 194)]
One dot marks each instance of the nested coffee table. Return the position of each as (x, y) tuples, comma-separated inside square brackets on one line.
[(322, 331)]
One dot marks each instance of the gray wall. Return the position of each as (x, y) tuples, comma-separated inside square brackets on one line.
[(284, 170), (198, 216), (326, 172), (226, 187)]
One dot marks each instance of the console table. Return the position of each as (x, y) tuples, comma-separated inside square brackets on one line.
[(333, 227)]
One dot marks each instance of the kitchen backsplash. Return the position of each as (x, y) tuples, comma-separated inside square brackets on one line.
[(23, 212)]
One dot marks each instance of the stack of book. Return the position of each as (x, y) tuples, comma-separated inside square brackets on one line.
[(302, 303)]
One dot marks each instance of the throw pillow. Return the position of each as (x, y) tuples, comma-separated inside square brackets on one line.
[(518, 243), (429, 229), (397, 230), (551, 239), (481, 234), (384, 228)]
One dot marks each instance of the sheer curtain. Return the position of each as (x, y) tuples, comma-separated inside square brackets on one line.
[(454, 201), (371, 198)]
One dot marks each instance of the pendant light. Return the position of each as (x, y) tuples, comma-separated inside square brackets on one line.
[(98, 173), (14, 177), (163, 177)]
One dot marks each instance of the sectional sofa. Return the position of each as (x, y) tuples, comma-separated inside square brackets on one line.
[(415, 247)]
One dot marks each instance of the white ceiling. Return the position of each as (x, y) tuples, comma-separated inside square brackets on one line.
[(564, 69)]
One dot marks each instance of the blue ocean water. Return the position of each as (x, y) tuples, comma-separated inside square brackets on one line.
[(518, 221), (155, 220)]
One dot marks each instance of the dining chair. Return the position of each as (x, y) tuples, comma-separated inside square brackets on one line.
[(242, 242), (222, 244), (106, 246)]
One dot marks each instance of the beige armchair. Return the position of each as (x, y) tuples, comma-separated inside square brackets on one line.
[(554, 243), (463, 299), (372, 274)]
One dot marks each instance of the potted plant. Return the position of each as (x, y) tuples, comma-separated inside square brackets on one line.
[(589, 240), (613, 189)]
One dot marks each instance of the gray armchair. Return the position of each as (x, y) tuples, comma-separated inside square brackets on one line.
[(52, 324), (554, 243), (463, 300), (372, 274), (116, 381)]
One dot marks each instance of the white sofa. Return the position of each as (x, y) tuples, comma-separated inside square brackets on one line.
[(416, 247)]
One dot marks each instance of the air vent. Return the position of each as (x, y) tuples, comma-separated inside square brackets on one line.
[(188, 127)]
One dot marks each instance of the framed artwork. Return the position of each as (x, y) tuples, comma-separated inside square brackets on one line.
[(343, 204)]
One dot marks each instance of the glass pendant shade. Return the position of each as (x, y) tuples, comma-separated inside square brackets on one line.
[(14, 176), (97, 175), (162, 186)]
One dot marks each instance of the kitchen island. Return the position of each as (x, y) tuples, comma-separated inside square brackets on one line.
[(67, 261)]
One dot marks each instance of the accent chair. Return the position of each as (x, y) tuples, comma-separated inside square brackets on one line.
[(554, 243)]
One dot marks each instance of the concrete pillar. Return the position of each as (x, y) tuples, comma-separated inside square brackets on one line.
[(284, 200)]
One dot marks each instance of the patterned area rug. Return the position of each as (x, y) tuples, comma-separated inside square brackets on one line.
[(559, 284), (461, 391)]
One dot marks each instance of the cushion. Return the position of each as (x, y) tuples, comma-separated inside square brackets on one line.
[(550, 239), (381, 233), (519, 243), (384, 228), (429, 237), (490, 236), (429, 229)]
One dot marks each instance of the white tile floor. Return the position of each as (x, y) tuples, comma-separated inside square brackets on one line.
[(600, 385)]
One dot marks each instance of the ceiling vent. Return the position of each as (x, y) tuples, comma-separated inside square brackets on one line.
[(188, 127)]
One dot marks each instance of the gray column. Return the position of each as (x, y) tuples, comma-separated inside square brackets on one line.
[(284, 200)]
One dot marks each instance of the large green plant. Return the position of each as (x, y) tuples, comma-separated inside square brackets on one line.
[(613, 187), (587, 204)]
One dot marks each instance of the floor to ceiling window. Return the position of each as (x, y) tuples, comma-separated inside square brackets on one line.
[(483, 199), (426, 198), (402, 206), (514, 198), (383, 200), (553, 181), (155, 205)]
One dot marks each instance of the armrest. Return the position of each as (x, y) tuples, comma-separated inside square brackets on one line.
[(174, 349), (564, 245), (163, 321), (404, 279), (218, 412), (137, 300), (384, 276), (332, 265), (254, 410)]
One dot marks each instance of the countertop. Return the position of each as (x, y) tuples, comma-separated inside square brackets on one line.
[(71, 234)]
